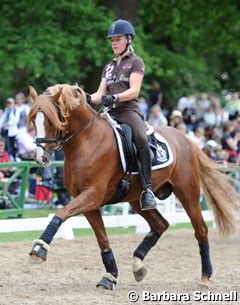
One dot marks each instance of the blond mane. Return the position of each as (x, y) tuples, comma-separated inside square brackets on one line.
[(57, 102)]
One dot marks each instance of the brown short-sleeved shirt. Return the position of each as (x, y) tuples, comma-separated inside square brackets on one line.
[(117, 77)]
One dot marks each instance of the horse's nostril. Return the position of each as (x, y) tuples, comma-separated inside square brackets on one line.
[(44, 159)]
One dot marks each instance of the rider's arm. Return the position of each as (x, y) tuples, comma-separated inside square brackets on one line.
[(135, 83), (96, 97)]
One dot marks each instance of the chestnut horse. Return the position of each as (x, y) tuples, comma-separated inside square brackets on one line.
[(92, 171)]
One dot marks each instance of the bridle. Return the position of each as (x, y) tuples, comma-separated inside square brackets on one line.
[(60, 140)]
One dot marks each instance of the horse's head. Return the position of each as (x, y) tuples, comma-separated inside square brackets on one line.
[(50, 115)]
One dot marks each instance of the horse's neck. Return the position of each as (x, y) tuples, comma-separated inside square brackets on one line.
[(87, 126), (80, 118)]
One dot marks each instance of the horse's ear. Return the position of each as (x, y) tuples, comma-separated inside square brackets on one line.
[(78, 92), (32, 92), (56, 96)]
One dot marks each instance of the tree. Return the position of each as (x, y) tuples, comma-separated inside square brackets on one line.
[(192, 44), (50, 42), (189, 46)]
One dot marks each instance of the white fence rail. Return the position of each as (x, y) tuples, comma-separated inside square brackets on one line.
[(168, 208)]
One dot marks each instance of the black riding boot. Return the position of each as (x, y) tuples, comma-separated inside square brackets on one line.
[(147, 199)]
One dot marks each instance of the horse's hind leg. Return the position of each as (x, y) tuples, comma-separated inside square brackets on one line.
[(190, 202), (158, 225)]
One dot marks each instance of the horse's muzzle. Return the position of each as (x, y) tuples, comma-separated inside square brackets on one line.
[(43, 159)]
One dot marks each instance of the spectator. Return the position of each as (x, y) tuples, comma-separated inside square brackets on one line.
[(183, 129), (182, 103), (199, 137), (156, 117), (3, 158), (233, 105), (9, 104), (175, 118), (203, 104), (155, 95), (230, 142), (143, 107), (21, 110), (26, 147), (215, 102), (214, 151), (234, 133), (28, 103), (188, 102), (189, 118), (211, 118), (11, 124)]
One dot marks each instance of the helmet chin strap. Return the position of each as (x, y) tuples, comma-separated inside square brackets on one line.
[(129, 41)]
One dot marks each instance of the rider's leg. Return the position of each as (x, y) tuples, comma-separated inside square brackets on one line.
[(134, 119), (147, 199)]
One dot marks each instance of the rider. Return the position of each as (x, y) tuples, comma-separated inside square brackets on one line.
[(119, 89)]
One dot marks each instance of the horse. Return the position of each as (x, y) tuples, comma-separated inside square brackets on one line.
[(92, 171)]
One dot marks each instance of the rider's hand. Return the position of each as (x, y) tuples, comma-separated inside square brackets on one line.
[(109, 100), (88, 97)]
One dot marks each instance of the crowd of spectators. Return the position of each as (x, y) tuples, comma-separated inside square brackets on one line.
[(213, 123), (17, 144), (204, 118), (15, 132)]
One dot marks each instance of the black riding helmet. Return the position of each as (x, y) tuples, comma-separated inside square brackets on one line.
[(121, 27)]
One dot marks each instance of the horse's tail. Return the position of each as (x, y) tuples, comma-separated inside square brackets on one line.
[(220, 194)]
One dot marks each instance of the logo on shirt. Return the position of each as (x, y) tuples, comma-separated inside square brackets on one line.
[(109, 70), (127, 66), (123, 78)]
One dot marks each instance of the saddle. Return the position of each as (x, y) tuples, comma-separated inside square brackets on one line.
[(159, 150), (161, 154)]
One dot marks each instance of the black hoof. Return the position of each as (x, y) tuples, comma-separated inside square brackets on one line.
[(107, 283), (38, 251)]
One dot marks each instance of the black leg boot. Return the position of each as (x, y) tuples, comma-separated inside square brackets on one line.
[(147, 199)]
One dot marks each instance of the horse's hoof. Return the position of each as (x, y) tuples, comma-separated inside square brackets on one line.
[(107, 282), (39, 251), (35, 259), (205, 282), (139, 271), (140, 274)]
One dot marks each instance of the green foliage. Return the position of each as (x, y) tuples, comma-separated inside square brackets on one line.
[(192, 43), (50, 42), (187, 45)]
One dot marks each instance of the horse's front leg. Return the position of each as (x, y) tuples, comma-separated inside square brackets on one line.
[(109, 280), (84, 203)]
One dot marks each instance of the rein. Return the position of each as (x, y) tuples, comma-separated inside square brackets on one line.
[(82, 128)]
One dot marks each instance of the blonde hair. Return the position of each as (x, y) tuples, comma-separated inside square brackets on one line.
[(130, 48)]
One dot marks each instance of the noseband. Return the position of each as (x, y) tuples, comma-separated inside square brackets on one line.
[(57, 141)]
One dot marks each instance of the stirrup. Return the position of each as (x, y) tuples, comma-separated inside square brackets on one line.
[(148, 200)]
